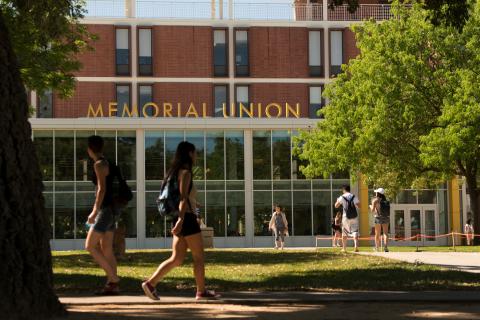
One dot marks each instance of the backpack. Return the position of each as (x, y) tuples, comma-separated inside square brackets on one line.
[(122, 193), (169, 198), (351, 210), (384, 208)]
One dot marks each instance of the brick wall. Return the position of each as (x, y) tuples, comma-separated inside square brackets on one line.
[(182, 51), (184, 93), (278, 52), (266, 93), (101, 61), (349, 45), (85, 93)]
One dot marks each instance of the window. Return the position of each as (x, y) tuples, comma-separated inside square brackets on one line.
[(123, 99), (315, 53), (241, 53), (220, 96), (336, 52), (145, 51), (45, 105), (242, 97), (220, 56), (145, 95), (122, 51), (315, 102)]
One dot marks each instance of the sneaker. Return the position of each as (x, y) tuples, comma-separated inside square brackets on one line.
[(385, 250), (207, 295), (356, 250), (110, 289), (150, 291)]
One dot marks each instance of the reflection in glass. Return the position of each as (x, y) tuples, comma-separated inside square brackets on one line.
[(154, 224), (415, 224), (215, 212), (84, 205), (128, 218), (64, 211), (197, 138), (297, 162), (172, 139), (262, 155), (64, 151), (127, 155), (281, 154), (83, 162), (109, 147), (154, 155), (235, 214), (262, 212), (43, 141), (234, 155), (407, 197), (322, 212), (427, 196), (49, 210), (430, 229), (399, 224), (284, 200), (215, 155), (302, 213)]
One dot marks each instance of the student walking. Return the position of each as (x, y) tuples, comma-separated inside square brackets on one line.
[(186, 229), (380, 208), (279, 225), (101, 220), (468, 230), (350, 224), (337, 230)]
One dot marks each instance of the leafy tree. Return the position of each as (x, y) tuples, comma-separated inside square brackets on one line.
[(406, 111), (38, 43)]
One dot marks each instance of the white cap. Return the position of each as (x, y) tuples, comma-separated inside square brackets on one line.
[(379, 190)]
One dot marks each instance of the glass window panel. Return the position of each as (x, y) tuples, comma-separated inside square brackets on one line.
[(109, 144), (85, 186), (199, 184), (154, 224), (262, 212), (314, 48), (336, 48), (427, 196), (84, 205), (235, 214), (315, 102), (220, 93), (301, 184), (281, 154), (322, 212), (215, 155), (215, 185), (122, 51), (197, 138), (144, 97), (302, 213), (262, 155), (407, 197), (64, 186), (43, 141), (123, 99), (64, 211), (49, 210), (154, 155), (84, 163), (443, 216), (415, 224), (282, 184), (242, 95), (284, 200), (399, 224), (297, 163), (45, 105), (234, 146), (127, 155), (145, 43), (128, 218), (262, 185), (172, 139), (321, 184), (430, 229), (236, 185), (47, 186), (64, 156), (215, 212), (241, 52), (219, 52)]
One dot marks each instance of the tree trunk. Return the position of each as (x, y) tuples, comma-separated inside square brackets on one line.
[(474, 204), (26, 278)]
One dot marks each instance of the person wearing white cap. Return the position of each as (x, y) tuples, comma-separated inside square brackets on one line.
[(380, 208)]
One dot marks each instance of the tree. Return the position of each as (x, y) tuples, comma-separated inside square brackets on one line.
[(452, 12), (38, 42), (405, 112)]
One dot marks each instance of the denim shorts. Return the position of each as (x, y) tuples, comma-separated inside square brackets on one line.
[(106, 220)]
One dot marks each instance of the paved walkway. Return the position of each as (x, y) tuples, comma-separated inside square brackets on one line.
[(464, 261)]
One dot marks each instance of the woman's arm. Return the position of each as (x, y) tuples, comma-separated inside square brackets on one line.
[(101, 172)]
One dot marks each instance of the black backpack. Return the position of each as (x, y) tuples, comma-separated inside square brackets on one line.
[(169, 198), (122, 193), (351, 210), (384, 208)]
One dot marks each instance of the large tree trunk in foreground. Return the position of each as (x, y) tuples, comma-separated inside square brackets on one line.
[(26, 279), (474, 204)]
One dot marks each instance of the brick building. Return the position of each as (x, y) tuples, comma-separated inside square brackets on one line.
[(237, 79)]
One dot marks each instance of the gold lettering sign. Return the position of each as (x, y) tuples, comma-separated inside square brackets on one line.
[(166, 109)]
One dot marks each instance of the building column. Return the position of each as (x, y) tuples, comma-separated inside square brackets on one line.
[(231, 64), (130, 8), (134, 64), (33, 103), (325, 10), (364, 212), (141, 219), (248, 158), (454, 199)]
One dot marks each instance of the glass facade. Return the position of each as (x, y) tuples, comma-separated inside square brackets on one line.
[(67, 173)]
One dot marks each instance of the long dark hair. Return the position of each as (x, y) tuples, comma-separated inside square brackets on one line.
[(182, 158), (381, 196)]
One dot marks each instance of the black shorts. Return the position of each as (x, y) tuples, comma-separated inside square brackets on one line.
[(190, 225), (106, 220)]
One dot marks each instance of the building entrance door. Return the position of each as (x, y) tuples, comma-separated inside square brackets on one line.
[(410, 220)]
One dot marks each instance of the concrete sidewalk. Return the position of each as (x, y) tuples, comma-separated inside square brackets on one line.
[(464, 261), (265, 298)]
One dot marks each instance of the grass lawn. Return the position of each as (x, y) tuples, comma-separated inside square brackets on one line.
[(263, 269)]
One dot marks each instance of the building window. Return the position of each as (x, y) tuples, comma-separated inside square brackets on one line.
[(315, 53), (123, 100), (315, 101), (145, 95), (220, 53), (45, 105), (145, 52), (241, 53), (122, 51), (336, 52), (221, 99), (242, 97)]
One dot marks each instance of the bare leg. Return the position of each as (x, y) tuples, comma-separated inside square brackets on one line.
[(385, 234), (91, 245), (378, 229), (344, 242), (195, 243), (106, 244), (179, 249), (355, 242)]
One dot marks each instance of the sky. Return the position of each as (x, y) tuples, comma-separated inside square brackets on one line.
[(194, 9)]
